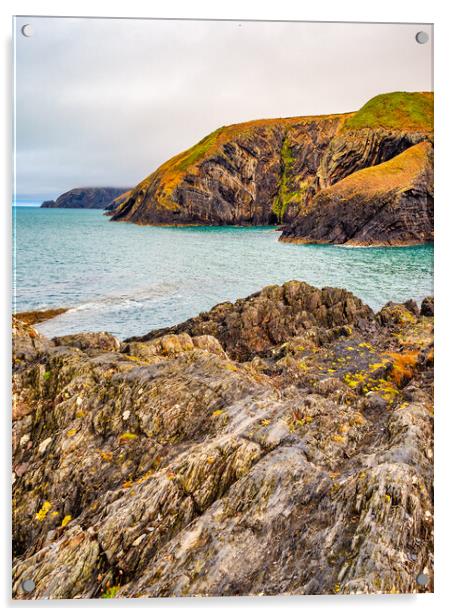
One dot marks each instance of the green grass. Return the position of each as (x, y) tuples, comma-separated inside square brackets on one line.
[(399, 110), (286, 194), (110, 593), (196, 153)]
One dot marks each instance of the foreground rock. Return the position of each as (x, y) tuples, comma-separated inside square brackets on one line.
[(187, 465), (86, 198), (270, 171)]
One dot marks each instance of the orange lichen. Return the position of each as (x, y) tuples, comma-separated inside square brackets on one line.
[(403, 365)]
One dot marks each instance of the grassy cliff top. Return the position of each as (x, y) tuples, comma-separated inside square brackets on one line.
[(398, 173), (399, 110), (409, 111)]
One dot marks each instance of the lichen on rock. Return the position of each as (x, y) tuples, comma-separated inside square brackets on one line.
[(243, 452)]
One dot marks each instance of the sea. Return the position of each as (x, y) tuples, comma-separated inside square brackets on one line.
[(128, 279)]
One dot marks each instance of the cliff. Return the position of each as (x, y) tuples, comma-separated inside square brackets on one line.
[(86, 198), (278, 445), (253, 173), (269, 171), (386, 204)]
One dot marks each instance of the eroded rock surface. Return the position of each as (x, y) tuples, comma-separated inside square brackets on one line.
[(182, 465), (390, 203), (270, 172)]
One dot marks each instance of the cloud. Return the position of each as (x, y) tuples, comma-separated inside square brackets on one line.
[(105, 101)]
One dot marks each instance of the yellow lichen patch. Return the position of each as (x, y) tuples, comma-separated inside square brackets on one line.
[(303, 366), (388, 498), (354, 379), (378, 365), (55, 514), (71, 432), (128, 436), (136, 359), (217, 413), (145, 477), (265, 422), (66, 520), (127, 484), (42, 513), (106, 456), (338, 438), (231, 367)]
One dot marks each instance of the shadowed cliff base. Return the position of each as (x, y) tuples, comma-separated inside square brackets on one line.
[(386, 204), (278, 171), (278, 444)]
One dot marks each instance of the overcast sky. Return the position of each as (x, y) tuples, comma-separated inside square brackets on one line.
[(103, 102)]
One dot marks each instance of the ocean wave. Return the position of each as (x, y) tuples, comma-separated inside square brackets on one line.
[(129, 300)]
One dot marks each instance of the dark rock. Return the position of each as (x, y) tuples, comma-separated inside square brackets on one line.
[(412, 306), (256, 324), (86, 198), (388, 204), (428, 307), (396, 314)]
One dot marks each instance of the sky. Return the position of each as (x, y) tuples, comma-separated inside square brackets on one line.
[(104, 102)]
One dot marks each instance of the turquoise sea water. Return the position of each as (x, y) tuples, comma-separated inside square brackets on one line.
[(128, 279)]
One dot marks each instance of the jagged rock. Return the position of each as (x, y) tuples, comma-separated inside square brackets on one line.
[(412, 306), (393, 313), (258, 323), (97, 341), (168, 468), (86, 198), (27, 342), (428, 307)]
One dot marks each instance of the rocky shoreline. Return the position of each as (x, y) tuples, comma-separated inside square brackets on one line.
[(281, 444), (33, 317)]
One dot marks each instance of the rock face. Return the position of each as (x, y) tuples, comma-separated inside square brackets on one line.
[(270, 171), (171, 467), (117, 202), (86, 198), (245, 174), (253, 326), (389, 203)]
